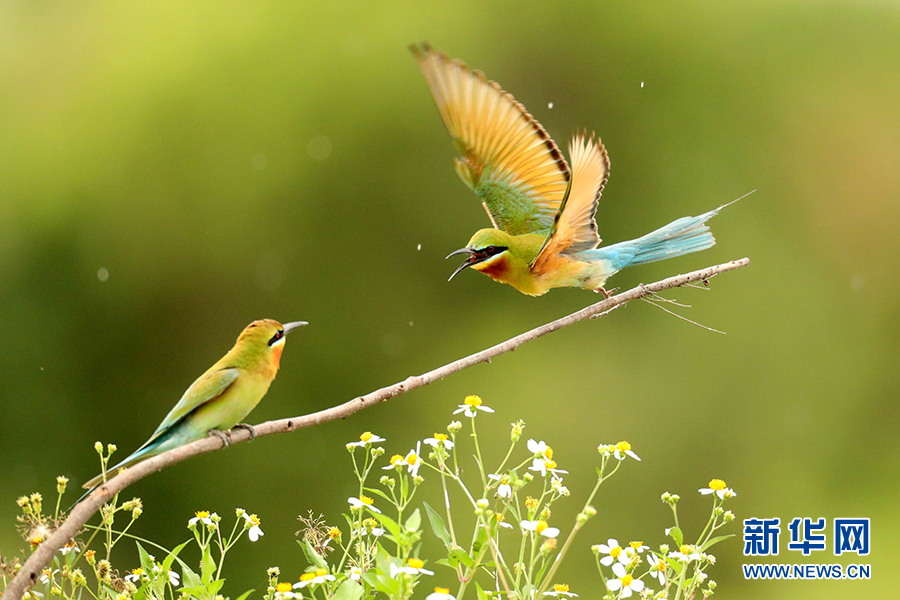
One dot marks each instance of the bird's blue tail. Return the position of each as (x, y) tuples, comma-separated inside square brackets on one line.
[(682, 236)]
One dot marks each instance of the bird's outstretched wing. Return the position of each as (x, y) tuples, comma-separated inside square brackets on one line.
[(575, 228), (508, 160), (208, 386)]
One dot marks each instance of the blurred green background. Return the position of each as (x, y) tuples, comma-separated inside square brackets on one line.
[(217, 163)]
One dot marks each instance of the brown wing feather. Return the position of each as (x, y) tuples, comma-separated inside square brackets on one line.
[(575, 228), (509, 160)]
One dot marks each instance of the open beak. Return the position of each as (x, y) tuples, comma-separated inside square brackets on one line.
[(469, 261), (289, 327)]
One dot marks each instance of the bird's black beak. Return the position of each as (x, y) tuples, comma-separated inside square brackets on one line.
[(469, 261), (289, 327)]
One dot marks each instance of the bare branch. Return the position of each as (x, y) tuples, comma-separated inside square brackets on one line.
[(83, 511)]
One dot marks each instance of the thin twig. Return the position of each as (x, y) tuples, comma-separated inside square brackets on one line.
[(83, 511)]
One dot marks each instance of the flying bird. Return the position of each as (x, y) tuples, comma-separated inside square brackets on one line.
[(220, 398), (542, 211)]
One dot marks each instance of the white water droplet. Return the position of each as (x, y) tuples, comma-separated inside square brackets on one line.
[(550, 105), (102, 274)]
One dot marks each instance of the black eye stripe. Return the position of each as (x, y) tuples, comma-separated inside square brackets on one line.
[(278, 335)]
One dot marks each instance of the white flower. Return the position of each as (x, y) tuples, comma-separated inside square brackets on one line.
[(544, 461), (556, 484), (624, 582), (561, 589), (658, 568), (376, 531), (613, 552), (204, 516), (355, 573), (440, 594), (396, 461), (414, 459), (540, 527), (174, 578), (134, 575), (255, 532), (718, 487), (363, 502), (622, 450), (313, 577), (504, 490), (46, 575), (70, 545), (536, 447), (366, 439), (470, 407), (439, 439), (414, 566), (686, 553)]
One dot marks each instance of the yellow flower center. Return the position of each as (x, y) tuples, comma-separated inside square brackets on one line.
[(412, 458), (549, 463), (321, 572), (560, 587), (615, 552), (441, 590), (369, 523), (685, 549), (660, 566), (415, 563), (283, 587), (202, 514), (626, 581), (366, 500), (472, 401), (717, 484), (541, 525), (307, 577), (397, 460), (138, 571), (548, 453), (530, 502), (254, 520), (36, 540), (623, 446), (366, 436), (441, 437), (636, 545), (334, 533)]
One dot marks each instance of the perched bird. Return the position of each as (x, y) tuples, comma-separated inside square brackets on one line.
[(544, 234), (221, 397)]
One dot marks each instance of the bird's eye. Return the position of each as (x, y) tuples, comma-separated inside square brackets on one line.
[(490, 249), (278, 335)]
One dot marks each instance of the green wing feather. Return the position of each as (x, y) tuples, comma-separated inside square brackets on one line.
[(209, 386), (508, 160)]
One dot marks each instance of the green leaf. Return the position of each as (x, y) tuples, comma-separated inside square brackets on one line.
[(379, 493), (459, 555), (348, 590), (676, 534), (437, 525), (482, 595), (207, 566), (146, 561), (715, 540), (312, 556), (390, 525), (245, 595), (167, 562), (191, 579), (481, 538), (214, 587), (414, 521)]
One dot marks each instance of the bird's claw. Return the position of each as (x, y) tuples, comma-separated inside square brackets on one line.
[(222, 435), (249, 428)]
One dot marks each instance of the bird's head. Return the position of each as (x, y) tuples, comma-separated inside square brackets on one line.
[(265, 338), (488, 252)]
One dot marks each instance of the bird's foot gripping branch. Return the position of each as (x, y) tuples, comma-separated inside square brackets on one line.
[(498, 538)]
